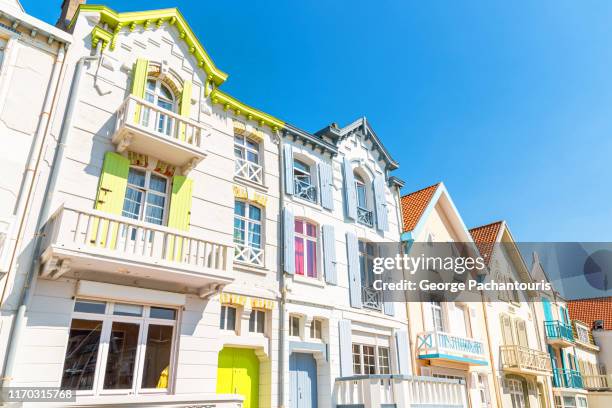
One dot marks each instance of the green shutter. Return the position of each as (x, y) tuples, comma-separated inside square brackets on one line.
[(139, 81), (111, 193), (185, 105), (180, 203)]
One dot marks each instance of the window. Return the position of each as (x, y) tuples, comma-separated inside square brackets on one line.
[(515, 388), (521, 332), (582, 402), (246, 152), (227, 318), (368, 359), (157, 93), (483, 390), (294, 326), (247, 233), (364, 214), (257, 321), (133, 333), (2, 51), (569, 402), (305, 248), (436, 314), (316, 329), (302, 178), (371, 298), (146, 196), (583, 334)]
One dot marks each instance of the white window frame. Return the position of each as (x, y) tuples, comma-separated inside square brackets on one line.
[(255, 313), (517, 392), (437, 309), (292, 318), (254, 169), (254, 255), (305, 237), (314, 330), (144, 322), (312, 178), (223, 324), (582, 333), (146, 190), (154, 97), (376, 357)]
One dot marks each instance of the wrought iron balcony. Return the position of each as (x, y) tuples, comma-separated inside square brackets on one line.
[(523, 360), (104, 245), (248, 254), (305, 190), (249, 171), (365, 217), (146, 128), (559, 333), (371, 298), (435, 345), (563, 378)]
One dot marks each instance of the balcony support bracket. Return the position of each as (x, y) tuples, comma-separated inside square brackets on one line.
[(124, 142), (206, 292), (54, 268)]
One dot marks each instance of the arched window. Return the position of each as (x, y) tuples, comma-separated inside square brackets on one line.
[(159, 94)]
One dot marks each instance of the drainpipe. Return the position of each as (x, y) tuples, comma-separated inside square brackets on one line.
[(493, 371), (26, 293), (35, 154), (281, 317)]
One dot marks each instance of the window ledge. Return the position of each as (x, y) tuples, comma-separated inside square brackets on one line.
[(251, 267), (250, 183), (309, 281)]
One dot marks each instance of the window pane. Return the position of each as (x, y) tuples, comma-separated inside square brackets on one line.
[(230, 318), (239, 152), (252, 321), (299, 226), (239, 226), (239, 208), (383, 361), (162, 313), (124, 309), (369, 362), (89, 306), (136, 177), (164, 92), (302, 167), (253, 157), (222, 317), (252, 145), (356, 359), (158, 183), (151, 84), (312, 259), (311, 230), (122, 346), (261, 321), (299, 256), (132, 203), (157, 357), (155, 209), (254, 235), (81, 354), (294, 328), (254, 213)]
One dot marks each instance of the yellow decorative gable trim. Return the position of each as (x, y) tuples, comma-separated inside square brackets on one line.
[(244, 193), (117, 21), (265, 304), (241, 109), (232, 299)]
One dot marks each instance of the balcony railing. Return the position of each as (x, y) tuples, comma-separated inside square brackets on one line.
[(365, 217), (249, 171), (146, 128), (94, 240), (563, 378), (371, 298), (399, 391), (597, 382), (305, 190), (525, 360), (556, 330), (248, 254), (440, 345)]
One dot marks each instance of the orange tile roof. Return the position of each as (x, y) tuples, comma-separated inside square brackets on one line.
[(589, 310), (485, 237), (414, 205)]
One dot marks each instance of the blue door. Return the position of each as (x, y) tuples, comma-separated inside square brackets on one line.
[(303, 376)]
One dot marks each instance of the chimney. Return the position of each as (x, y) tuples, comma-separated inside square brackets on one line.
[(69, 9)]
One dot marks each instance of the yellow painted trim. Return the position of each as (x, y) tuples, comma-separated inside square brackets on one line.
[(241, 109), (243, 193), (265, 304), (232, 299), (99, 34)]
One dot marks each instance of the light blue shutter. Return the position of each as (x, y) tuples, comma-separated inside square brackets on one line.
[(389, 307), (381, 203), (562, 314), (326, 185), (346, 348), (289, 240), (547, 310), (288, 153), (354, 275), (350, 193), (329, 254), (401, 344)]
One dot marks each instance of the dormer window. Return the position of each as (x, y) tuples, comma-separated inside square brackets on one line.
[(157, 93), (303, 181)]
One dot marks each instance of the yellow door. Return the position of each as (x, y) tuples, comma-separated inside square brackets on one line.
[(238, 373)]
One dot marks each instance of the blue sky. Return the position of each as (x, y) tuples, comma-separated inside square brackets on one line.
[(508, 103)]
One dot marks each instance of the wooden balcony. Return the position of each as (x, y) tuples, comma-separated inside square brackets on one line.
[(558, 333), (109, 246), (597, 382), (399, 391), (440, 346), (146, 128), (523, 360)]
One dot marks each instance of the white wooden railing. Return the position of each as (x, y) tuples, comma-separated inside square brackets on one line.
[(96, 232), (249, 170), (147, 116), (249, 255), (523, 358), (595, 382), (371, 391)]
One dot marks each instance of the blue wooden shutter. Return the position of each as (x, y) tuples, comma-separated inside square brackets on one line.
[(547, 310), (562, 314), (346, 348), (326, 185), (354, 274), (401, 344), (350, 192), (289, 241), (389, 306), (381, 203), (288, 153), (329, 254)]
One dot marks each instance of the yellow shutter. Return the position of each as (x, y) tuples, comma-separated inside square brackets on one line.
[(185, 105), (139, 82), (180, 213), (111, 193)]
